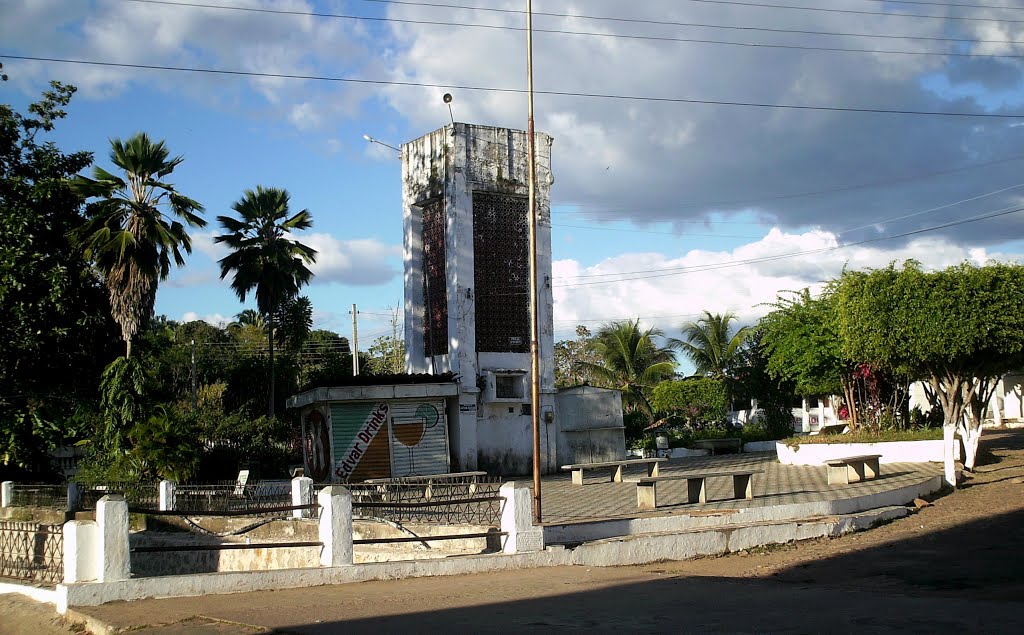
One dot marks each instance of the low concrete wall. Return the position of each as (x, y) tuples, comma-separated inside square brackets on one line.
[(573, 533), (891, 451), (92, 594), (647, 548), (759, 446)]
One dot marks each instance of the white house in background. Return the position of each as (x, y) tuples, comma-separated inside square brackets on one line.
[(1005, 407), (809, 413)]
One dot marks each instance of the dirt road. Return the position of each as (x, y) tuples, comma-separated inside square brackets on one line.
[(955, 566)]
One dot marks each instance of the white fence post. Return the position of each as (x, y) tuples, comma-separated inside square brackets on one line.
[(517, 520), (7, 494), (168, 495), (81, 551), (302, 494), (112, 518), (335, 526)]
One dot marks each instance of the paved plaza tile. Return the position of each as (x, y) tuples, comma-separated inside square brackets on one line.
[(780, 484)]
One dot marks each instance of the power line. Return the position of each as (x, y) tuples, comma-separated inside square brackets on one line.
[(745, 4), (519, 91), (799, 47), (844, 188), (660, 273), (850, 11), (951, 4), (679, 234), (934, 209)]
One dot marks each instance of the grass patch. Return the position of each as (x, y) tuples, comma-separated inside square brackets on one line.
[(925, 434)]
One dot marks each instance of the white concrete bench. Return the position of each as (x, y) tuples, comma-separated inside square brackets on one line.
[(715, 444), (852, 469), (696, 489), (615, 466)]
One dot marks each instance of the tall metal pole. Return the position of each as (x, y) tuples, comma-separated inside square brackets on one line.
[(534, 309), (355, 343), (194, 378)]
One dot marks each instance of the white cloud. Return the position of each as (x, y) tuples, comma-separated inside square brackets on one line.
[(214, 319), (361, 262), (742, 280)]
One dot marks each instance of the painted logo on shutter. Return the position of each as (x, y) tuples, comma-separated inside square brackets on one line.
[(362, 444)]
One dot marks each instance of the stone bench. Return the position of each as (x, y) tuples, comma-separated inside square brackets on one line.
[(852, 469), (696, 489), (615, 466), (715, 444)]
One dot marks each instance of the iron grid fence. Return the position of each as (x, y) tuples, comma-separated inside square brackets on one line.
[(461, 500), (31, 551), (31, 495), (136, 494), (259, 499)]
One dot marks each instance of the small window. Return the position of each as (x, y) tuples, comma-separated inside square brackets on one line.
[(508, 386), (504, 385)]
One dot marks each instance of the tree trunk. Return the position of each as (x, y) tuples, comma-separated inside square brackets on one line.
[(948, 462), (270, 335)]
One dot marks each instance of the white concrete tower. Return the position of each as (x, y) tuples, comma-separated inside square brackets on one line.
[(465, 216)]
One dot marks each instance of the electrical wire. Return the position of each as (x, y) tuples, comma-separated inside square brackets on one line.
[(764, 199), (664, 272), (799, 47), (520, 91), (723, 2)]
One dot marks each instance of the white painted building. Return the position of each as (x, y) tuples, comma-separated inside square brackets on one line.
[(465, 217)]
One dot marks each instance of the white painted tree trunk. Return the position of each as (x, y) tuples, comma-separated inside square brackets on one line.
[(970, 432), (949, 465)]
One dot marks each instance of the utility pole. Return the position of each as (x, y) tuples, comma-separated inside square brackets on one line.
[(195, 379), (355, 342), (534, 309)]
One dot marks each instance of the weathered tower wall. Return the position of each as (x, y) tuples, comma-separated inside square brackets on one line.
[(466, 286)]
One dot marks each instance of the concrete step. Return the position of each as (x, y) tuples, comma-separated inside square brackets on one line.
[(707, 541)]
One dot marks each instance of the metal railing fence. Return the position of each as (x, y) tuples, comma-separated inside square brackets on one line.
[(32, 551), (33, 495)]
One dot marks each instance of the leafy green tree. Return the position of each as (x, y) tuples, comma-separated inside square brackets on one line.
[(55, 324), (802, 345), (630, 361), (570, 356), (954, 328), (387, 353), (132, 233), (693, 401), (294, 321), (166, 444), (774, 395), (326, 360), (122, 395), (263, 257)]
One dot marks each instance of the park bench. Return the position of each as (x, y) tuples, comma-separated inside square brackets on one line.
[(696, 489), (852, 469), (615, 466), (716, 444)]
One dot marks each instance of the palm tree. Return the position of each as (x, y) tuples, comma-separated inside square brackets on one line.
[(710, 344), (250, 317), (131, 233), (630, 361), (263, 257)]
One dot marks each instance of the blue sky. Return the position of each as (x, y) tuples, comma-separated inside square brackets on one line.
[(713, 195)]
